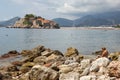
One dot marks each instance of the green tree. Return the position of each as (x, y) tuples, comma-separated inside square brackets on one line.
[(29, 16)]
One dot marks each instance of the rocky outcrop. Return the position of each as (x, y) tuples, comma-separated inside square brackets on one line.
[(114, 69), (32, 21), (114, 56), (41, 63)]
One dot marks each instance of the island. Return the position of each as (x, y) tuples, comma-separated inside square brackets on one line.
[(32, 21)]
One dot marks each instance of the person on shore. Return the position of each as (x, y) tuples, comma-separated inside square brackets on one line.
[(104, 53)]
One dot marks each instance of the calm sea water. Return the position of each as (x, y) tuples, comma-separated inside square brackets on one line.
[(86, 41)]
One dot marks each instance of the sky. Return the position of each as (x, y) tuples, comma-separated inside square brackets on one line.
[(49, 9)]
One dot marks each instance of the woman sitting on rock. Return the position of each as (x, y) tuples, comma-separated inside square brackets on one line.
[(104, 52)]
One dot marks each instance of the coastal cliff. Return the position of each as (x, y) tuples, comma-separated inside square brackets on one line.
[(32, 21)]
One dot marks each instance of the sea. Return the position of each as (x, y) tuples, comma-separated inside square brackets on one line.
[(86, 40)]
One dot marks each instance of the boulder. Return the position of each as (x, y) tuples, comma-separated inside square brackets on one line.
[(52, 57), (85, 71), (17, 63), (11, 68), (114, 69), (89, 77), (102, 70), (104, 77), (46, 53), (38, 50), (69, 61), (40, 60), (39, 72), (26, 52), (97, 52), (69, 76), (65, 68), (99, 62), (7, 76), (10, 54), (26, 67), (71, 52), (114, 56), (49, 52), (79, 58), (85, 63)]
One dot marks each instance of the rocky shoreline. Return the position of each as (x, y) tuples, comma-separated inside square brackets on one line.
[(42, 63)]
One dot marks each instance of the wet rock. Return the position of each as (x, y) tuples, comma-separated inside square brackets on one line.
[(26, 52), (89, 77), (17, 63), (42, 73), (71, 52), (69, 76), (99, 62), (97, 52), (9, 54), (114, 69)]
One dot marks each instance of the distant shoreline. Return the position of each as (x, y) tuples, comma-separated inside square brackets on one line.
[(92, 28)]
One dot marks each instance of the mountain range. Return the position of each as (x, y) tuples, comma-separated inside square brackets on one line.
[(99, 19), (9, 22)]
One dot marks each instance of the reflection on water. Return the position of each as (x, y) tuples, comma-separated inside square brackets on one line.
[(86, 41)]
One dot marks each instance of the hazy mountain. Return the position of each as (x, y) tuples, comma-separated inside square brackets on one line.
[(63, 22), (9, 22), (101, 19), (107, 19)]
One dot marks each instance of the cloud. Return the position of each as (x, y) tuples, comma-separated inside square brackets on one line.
[(68, 8), (88, 6)]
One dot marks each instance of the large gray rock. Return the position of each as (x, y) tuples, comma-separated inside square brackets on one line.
[(85, 63), (99, 62), (69, 76), (39, 72)]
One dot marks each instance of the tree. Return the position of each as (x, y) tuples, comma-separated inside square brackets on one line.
[(29, 16)]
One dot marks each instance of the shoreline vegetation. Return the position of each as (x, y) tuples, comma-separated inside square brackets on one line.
[(42, 63)]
